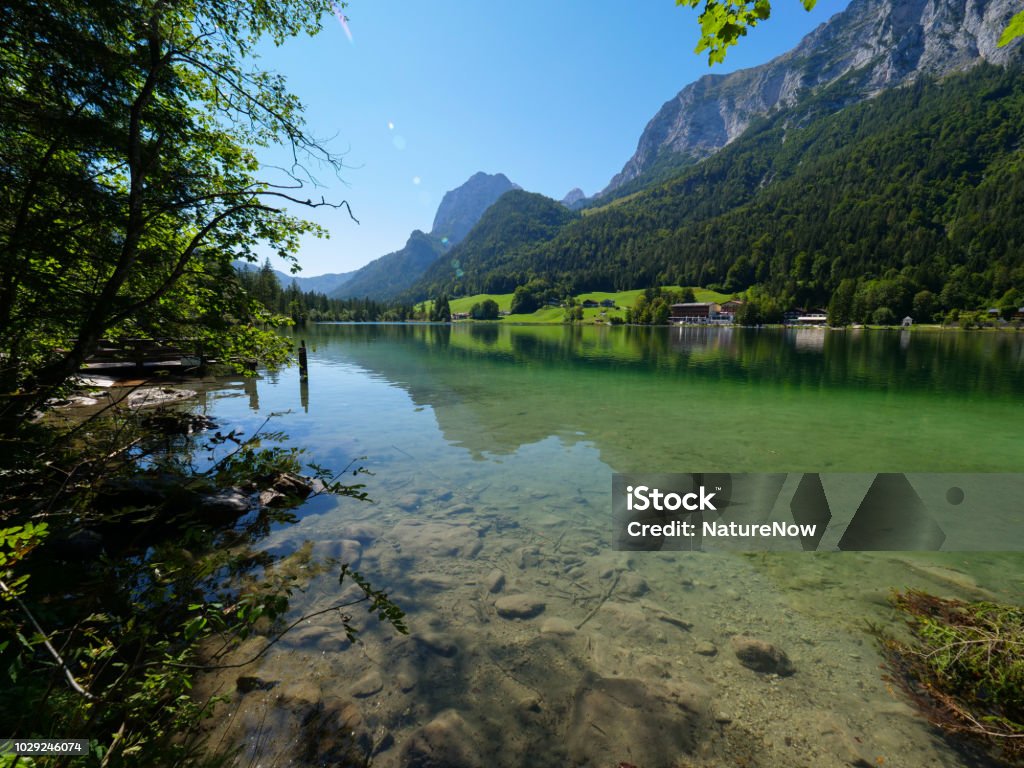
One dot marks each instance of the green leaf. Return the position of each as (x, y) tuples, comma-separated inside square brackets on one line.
[(1013, 30)]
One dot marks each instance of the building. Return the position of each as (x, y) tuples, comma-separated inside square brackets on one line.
[(590, 304), (607, 302), (814, 317), (732, 306), (694, 312)]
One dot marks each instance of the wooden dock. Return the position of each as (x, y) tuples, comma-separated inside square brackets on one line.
[(139, 355)]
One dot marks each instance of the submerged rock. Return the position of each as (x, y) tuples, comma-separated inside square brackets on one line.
[(368, 685), (447, 741), (557, 626), (761, 656), (495, 581), (634, 585), (705, 649), (645, 723), (147, 397), (347, 551), (248, 684), (436, 643), (435, 539), (226, 504), (519, 606)]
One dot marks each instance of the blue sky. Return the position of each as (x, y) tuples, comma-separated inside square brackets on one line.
[(552, 93)]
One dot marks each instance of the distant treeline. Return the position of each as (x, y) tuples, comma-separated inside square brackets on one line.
[(309, 306)]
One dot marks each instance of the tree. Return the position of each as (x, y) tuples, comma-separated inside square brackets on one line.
[(484, 310), (924, 305), (724, 22), (128, 174), (524, 302), (441, 312)]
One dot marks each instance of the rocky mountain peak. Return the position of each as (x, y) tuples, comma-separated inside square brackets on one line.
[(889, 42), (573, 196), (463, 206)]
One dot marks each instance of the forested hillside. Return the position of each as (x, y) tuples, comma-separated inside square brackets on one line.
[(918, 190), (507, 235)]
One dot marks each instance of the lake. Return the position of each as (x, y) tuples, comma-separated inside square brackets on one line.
[(535, 643)]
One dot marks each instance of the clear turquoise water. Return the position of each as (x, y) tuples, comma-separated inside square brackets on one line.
[(507, 437)]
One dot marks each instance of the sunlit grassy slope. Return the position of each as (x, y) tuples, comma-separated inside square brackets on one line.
[(623, 299)]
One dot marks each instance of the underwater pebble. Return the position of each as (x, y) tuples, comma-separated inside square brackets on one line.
[(438, 644), (705, 649), (634, 585), (519, 606), (495, 581), (761, 656), (409, 502), (557, 626), (368, 685)]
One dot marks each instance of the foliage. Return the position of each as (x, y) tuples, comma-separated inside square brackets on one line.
[(654, 306), (524, 301), (440, 311), (484, 310), (1013, 30), (128, 177), (724, 22), (303, 307), (964, 668), (118, 590)]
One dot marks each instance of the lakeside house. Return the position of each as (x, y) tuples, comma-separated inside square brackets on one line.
[(814, 317), (695, 312)]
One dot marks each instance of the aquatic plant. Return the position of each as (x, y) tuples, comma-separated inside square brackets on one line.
[(963, 666)]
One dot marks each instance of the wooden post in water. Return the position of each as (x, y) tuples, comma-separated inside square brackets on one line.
[(303, 362)]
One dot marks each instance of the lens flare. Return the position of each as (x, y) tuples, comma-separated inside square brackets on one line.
[(342, 19)]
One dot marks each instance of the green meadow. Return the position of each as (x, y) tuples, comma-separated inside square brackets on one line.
[(622, 299)]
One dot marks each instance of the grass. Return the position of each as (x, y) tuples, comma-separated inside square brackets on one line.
[(963, 666), (546, 315)]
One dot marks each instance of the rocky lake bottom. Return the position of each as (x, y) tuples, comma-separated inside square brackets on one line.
[(533, 642)]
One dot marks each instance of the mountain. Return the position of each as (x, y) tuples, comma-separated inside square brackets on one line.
[(915, 193), (891, 43), (388, 276), (316, 284), (573, 198), (463, 206), (509, 231)]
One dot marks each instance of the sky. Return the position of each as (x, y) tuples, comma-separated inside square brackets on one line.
[(552, 93)]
